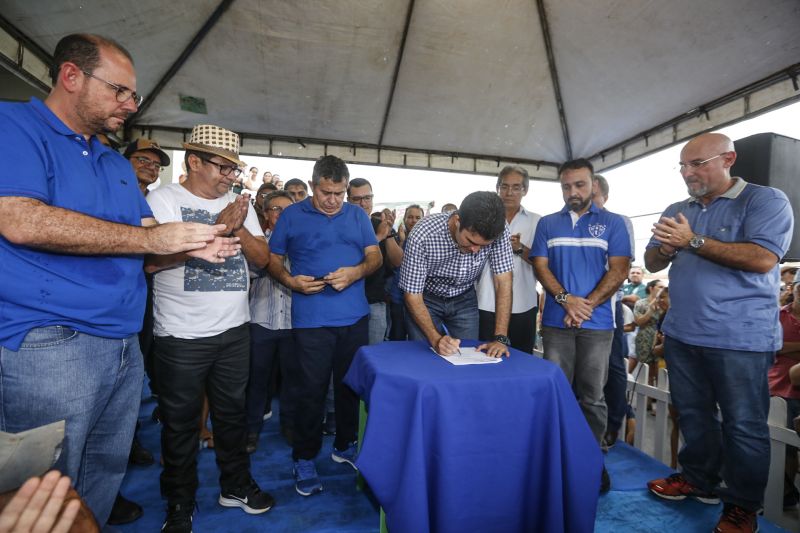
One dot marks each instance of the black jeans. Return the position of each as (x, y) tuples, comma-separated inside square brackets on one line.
[(321, 351), (187, 368), (397, 332), (521, 328), (146, 337), (270, 351)]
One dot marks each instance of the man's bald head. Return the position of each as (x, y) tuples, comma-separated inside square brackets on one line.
[(706, 163), (715, 143)]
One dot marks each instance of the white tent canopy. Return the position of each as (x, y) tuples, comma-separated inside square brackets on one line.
[(460, 85)]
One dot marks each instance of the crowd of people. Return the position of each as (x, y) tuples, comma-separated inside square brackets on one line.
[(230, 289)]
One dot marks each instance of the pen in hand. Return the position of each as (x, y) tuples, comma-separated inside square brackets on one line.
[(446, 332)]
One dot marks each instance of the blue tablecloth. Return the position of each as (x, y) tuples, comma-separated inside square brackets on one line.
[(485, 448)]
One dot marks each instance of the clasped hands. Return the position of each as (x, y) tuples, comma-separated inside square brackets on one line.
[(578, 310), (673, 233)]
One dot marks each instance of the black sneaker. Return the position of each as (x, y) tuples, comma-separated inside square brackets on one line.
[(249, 499), (179, 518)]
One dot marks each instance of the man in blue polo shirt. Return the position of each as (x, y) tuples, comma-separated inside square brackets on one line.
[(331, 246), (722, 330), (72, 289), (581, 256)]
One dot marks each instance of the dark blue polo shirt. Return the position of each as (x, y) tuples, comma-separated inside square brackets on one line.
[(101, 295), (577, 255), (318, 244)]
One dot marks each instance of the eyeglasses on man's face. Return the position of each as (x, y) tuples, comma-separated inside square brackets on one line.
[(147, 162), (225, 170), (123, 93), (274, 209), (516, 188), (696, 163), (359, 199)]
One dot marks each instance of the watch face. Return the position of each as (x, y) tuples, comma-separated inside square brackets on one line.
[(697, 241)]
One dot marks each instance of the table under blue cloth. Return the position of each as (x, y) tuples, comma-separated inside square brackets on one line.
[(485, 448)]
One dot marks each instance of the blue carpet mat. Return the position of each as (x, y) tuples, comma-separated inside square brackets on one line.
[(340, 508)]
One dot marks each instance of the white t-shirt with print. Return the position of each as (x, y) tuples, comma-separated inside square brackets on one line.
[(197, 299)]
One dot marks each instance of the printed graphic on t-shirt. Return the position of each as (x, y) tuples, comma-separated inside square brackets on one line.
[(202, 276)]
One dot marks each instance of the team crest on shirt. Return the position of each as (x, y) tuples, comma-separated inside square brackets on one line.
[(596, 230)]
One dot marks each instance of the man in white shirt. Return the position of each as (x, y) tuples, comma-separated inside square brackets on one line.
[(512, 186), (202, 338)]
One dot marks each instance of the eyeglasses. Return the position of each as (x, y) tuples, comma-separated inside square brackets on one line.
[(516, 189), (274, 209), (359, 199), (696, 164), (144, 161), (123, 93), (225, 170)]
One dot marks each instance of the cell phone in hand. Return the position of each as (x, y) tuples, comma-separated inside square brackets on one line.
[(319, 278)]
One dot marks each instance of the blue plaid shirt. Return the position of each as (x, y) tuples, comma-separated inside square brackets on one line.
[(432, 262)]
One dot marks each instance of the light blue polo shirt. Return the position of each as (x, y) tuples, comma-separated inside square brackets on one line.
[(578, 258), (721, 307), (318, 244), (101, 295)]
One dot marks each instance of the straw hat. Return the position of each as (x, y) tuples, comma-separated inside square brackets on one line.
[(211, 139), (147, 145)]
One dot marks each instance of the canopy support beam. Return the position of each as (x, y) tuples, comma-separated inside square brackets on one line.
[(176, 66), (396, 71), (551, 63)]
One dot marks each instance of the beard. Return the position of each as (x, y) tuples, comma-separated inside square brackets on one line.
[(579, 204), (697, 192), (93, 120)]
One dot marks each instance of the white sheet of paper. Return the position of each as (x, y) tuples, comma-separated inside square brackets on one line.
[(469, 356)]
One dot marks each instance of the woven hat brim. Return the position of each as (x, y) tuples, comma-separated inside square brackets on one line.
[(227, 154)]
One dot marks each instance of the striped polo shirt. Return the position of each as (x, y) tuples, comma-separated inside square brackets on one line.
[(577, 251)]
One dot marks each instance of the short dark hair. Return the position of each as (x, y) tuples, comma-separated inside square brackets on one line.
[(415, 206), (483, 212), (277, 194), (83, 49), (358, 182), (330, 167), (513, 169), (602, 183), (576, 164), (295, 181)]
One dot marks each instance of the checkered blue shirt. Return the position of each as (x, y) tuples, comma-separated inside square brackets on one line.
[(432, 262)]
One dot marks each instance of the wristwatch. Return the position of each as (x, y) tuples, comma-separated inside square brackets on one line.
[(561, 297), (697, 242), (502, 339), (519, 251)]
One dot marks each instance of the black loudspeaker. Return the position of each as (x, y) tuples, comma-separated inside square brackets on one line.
[(773, 160)]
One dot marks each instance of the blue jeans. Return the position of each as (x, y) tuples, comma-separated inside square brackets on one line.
[(93, 383), (735, 449), (459, 314), (378, 323)]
